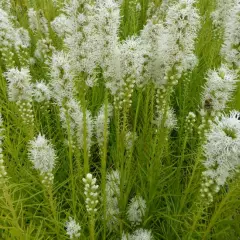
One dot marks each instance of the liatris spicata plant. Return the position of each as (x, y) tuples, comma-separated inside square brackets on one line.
[(43, 157), (230, 48), (112, 197), (91, 194), (221, 151), (20, 91), (73, 229), (139, 234), (222, 11), (136, 210), (131, 65), (100, 124), (7, 39), (139, 91), (13, 38), (73, 119), (44, 50), (91, 200), (41, 92), (217, 92), (218, 89), (38, 22), (62, 76), (170, 121)]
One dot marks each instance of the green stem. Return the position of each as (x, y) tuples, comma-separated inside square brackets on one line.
[(85, 143), (53, 208), (70, 157), (92, 227), (103, 165)]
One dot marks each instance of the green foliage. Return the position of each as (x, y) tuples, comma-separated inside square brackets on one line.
[(165, 172)]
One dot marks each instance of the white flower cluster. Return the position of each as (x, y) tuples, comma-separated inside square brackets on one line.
[(90, 192), (112, 196), (72, 117), (218, 89), (136, 210), (90, 35), (139, 234), (22, 39), (221, 151), (22, 44), (81, 36), (61, 25), (100, 121), (131, 66), (7, 38), (168, 120), (183, 23), (3, 172), (155, 37), (110, 14), (68, 25), (44, 50), (41, 92), (19, 84), (61, 77), (222, 12), (73, 228), (20, 91), (231, 44), (171, 43), (37, 21), (12, 38), (43, 157)]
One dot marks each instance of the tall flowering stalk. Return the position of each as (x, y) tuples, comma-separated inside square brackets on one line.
[(221, 152), (136, 210), (112, 190), (221, 13), (77, 120), (39, 26), (230, 48), (91, 200), (20, 91), (13, 38), (43, 157), (182, 26), (7, 39), (218, 91)]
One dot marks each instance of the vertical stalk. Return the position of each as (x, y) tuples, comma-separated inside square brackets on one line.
[(91, 227), (103, 164), (70, 157), (53, 208), (85, 131)]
